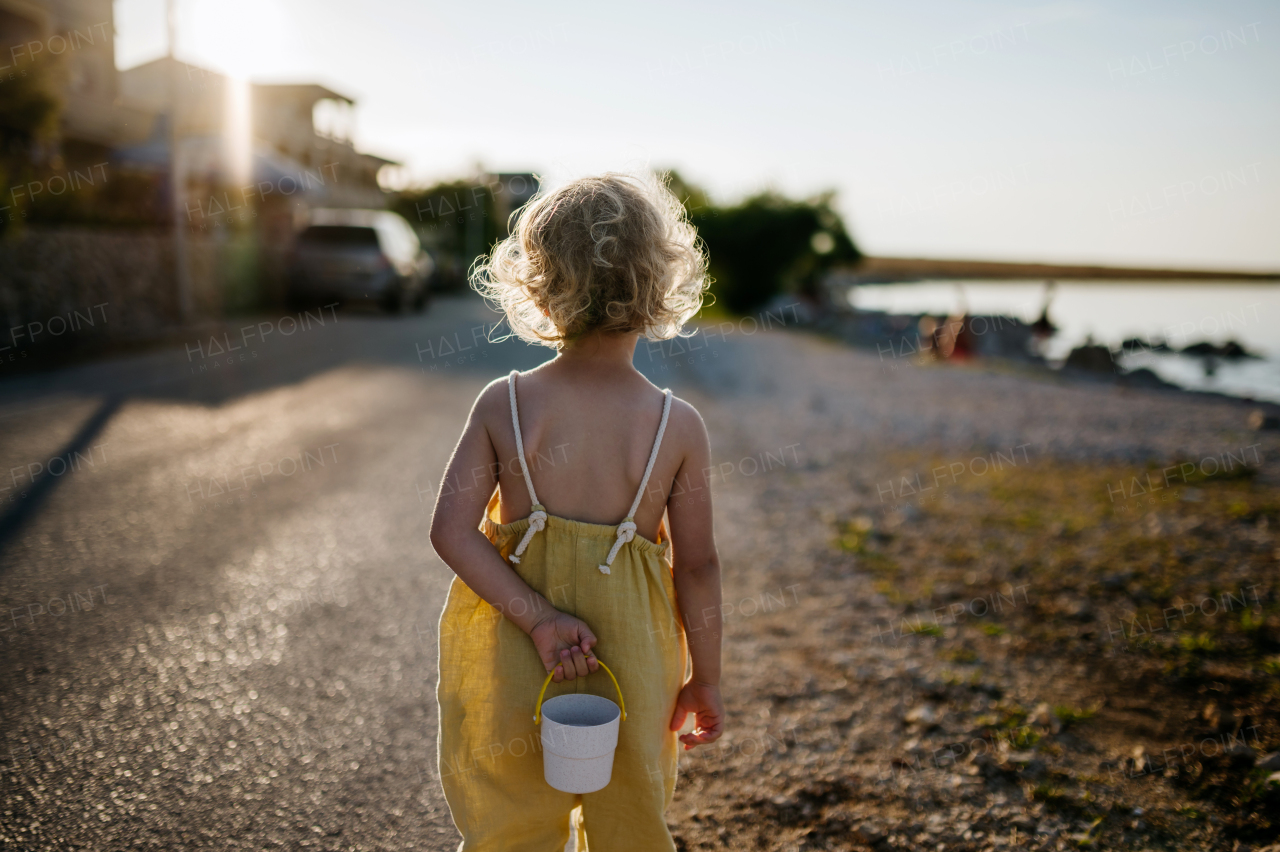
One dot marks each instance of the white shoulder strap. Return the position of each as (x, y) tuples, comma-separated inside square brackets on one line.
[(653, 455), (515, 424), (627, 529), (538, 517)]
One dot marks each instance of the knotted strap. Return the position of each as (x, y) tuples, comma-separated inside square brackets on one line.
[(626, 532), (627, 529), (537, 521), (538, 517)]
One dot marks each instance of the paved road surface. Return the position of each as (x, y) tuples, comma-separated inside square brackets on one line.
[(218, 594)]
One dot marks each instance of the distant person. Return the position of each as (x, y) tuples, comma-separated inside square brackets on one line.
[(587, 562), (962, 346), (1043, 327), (958, 343)]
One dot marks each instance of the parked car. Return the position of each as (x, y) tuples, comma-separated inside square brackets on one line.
[(359, 256)]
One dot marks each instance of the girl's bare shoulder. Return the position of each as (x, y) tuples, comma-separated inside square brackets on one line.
[(492, 406), (686, 430)]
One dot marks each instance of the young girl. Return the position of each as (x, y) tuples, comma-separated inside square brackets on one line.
[(568, 468)]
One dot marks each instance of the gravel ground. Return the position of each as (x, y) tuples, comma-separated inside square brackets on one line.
[(254, 670), (846, 731)]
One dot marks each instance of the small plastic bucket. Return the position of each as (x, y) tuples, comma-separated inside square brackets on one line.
[(579, 736)]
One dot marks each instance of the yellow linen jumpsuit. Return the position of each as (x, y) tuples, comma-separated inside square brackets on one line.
[(490, 756)]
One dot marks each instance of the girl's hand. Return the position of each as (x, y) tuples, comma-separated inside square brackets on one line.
[(702, 700), (563, 642)]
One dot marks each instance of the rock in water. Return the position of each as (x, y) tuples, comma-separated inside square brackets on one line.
[(1091, 359)]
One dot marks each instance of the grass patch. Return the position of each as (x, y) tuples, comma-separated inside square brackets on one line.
[(963, 656), (921, 629), (1069, 716), (1023, 738), (1049, 794), (1198, 643), (1088, 838)]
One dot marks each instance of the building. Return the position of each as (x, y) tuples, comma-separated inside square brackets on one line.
[(88, 145), (123, 116), (71, 45), (286, 144)]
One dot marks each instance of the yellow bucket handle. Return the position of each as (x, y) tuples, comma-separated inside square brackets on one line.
[(537, 710)]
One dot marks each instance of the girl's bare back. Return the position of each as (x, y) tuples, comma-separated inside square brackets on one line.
[(587, 435)]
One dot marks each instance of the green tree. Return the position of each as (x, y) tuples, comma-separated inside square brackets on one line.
[(767, 244), (456, 223), (692, 197)]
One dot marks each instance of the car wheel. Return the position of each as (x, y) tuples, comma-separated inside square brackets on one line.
[(393, 301), (296, 300)]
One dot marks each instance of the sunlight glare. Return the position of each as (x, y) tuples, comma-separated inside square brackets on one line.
[(238, 131)]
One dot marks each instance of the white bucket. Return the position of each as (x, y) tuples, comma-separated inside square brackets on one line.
[(579, 736)]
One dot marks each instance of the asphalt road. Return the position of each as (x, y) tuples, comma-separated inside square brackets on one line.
[(218, 596)]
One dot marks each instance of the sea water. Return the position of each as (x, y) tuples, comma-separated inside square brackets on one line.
[(1176, 313)]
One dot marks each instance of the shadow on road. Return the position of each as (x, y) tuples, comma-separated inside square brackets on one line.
[(36, 496)]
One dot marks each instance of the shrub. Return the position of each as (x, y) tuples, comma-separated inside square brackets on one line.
[(767, 245)]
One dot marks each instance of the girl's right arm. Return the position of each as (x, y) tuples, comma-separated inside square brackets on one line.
[(562, 641)]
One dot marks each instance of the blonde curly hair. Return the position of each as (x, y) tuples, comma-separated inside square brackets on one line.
[(613, 253)]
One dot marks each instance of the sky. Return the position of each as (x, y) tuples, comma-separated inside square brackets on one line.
[(1145, 132)]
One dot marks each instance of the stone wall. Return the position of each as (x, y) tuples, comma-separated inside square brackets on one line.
[(68, 285)]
